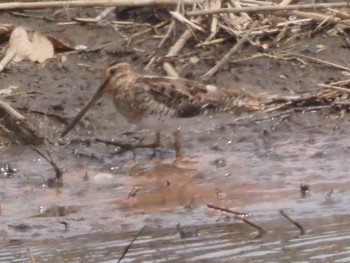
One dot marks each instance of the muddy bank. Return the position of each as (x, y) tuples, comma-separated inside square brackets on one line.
[(249, 163)]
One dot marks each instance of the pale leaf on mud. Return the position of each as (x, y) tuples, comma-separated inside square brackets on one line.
[(27, 45), (42, 48), (8, 90)]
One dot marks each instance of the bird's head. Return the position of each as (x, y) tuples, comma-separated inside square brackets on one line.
[(114, 77)]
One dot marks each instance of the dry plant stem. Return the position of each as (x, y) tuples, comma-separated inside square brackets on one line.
[(11, 111), (317, 17), (171, 26), (88, 3), (322, 61), (234, 49), (226, 210), (130, 245), (175, 49), (334, 87), (302, 230), (340, 82), (254, 2), (184, 20), (340, 14), (237, 4), (285, 2), (214, 19), (105, 13), (259, 9), (97, 19)]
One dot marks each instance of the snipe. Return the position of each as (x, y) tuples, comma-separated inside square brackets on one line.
[(154, 102)]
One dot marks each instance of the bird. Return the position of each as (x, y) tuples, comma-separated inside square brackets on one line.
[(155, 102)]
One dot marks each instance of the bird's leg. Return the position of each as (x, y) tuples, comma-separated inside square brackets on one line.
[(130, 147), (178, 144), (155, 144), (123, 147)]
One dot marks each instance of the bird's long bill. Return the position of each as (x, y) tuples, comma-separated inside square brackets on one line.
[(82, 112)]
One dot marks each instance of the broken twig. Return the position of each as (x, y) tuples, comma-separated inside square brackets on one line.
[(226, 210), (271, 8), (234, 49)]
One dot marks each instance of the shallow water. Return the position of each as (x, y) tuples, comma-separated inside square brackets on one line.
[(256, 168)]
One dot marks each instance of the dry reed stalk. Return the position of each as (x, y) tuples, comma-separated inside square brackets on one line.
[(89, 3), (272, 8)]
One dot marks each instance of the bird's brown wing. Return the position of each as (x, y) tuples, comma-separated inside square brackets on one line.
[(181, 97)]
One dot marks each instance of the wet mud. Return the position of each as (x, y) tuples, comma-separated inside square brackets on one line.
[(248, 163)]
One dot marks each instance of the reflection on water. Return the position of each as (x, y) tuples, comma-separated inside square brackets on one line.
[(215, 243)]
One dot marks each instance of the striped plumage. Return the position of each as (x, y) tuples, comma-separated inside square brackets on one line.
[(154, 101)]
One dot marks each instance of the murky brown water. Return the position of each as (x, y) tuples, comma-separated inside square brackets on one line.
[(256, 170)]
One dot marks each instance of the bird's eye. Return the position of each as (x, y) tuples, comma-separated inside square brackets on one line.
[(112, 71)]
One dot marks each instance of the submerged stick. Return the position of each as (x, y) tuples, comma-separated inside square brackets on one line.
[(32, 259), (226, 210), (302, 230), (130, 244), (262, 231)]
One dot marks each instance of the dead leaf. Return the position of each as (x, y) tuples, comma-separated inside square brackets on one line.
[(31, 45), (8, 90), (42, 48)]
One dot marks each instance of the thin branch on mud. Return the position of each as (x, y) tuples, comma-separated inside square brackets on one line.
[(11, 111), (302, 230), (234, 49), (91, 3), (226, 210), (321, 61), (32, 259), (48, 158), (334, 87), (271, 8), (130, 244)]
